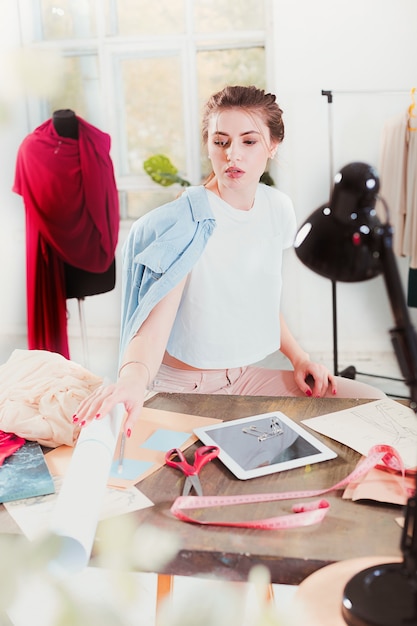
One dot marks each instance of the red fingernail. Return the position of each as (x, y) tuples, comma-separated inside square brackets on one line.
[(98, 415), (309, 392), (83, 423), (74, 418), (334, 392), (128, 432)]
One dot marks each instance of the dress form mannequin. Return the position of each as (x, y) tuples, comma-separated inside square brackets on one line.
[(80, 283), (65, 177)]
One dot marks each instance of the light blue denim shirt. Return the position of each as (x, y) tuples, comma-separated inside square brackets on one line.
[(161, 249)]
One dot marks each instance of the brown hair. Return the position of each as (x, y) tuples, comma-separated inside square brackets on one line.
[(252, 98)]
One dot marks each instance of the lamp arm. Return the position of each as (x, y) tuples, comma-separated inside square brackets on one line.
[(404, 341), (403, 335)]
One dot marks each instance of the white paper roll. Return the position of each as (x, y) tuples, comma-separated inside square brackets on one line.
[(78, 505)]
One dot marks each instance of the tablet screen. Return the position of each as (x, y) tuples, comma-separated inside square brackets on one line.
[(264, 444)]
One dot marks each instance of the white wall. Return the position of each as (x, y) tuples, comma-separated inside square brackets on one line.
[(323, 44), (338, 45), (12, 235)]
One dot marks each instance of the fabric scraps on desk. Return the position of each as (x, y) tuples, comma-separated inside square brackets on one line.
[(39, 393), (381, 485), (9, 443)]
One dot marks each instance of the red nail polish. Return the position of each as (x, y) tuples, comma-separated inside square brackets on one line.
[(83, 423), (74, 418), (309, 392), (98, 415), (128, 432)]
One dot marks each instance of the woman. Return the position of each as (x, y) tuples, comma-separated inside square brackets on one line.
[(202, 278)]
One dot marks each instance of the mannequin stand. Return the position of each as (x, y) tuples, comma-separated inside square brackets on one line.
[(83, 328)]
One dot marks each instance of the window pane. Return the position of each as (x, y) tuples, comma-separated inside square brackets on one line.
[(228, 15), (153, 113), (140, 202), (67, 19), (79, 90), (144, 17), (218, 68)]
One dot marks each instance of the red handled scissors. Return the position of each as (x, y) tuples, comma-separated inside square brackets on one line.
[(202, 456)]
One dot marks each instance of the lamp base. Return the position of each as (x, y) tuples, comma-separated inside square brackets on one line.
[(382, 595)]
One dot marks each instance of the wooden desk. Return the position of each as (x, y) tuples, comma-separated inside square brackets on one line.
[(350, 530)]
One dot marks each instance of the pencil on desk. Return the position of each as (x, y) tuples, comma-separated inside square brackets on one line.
[(121, 453)]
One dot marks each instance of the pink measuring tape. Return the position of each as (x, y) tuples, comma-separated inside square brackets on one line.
[(304, 514)]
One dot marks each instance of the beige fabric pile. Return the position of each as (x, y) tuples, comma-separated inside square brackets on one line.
[(39, 393)]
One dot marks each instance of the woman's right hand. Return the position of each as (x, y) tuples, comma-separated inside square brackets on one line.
[(128, 390)]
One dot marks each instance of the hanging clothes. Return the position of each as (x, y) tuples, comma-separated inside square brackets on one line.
[(392, 170), (72, 215), (398, 171), (412, 216)]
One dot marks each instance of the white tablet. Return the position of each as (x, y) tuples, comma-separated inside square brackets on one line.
[(264, 444)]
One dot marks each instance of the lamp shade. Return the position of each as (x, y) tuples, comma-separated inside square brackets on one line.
[(341, 240)]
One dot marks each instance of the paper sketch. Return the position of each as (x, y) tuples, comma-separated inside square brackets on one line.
[(33, 514), (380, 422)]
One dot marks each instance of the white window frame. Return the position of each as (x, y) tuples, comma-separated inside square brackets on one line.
[(111, 49)]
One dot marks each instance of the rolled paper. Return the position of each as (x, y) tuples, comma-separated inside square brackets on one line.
[(77, 510)]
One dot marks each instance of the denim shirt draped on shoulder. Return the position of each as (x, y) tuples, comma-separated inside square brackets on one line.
[(161, 249)]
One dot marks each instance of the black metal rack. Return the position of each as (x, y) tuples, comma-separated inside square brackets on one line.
[(350, 371)]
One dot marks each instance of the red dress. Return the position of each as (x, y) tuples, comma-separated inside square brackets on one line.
[(72, 215)]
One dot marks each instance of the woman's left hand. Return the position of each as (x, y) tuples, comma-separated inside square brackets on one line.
[(321, 381)]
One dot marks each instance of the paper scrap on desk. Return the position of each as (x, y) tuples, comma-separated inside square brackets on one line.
[(382, 421), (163, 439), (167, 429), (33, 514), (157, 432)]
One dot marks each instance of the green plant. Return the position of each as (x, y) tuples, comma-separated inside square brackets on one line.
[(163, 172)]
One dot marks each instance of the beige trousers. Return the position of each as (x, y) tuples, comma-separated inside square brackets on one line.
[(249, 381)]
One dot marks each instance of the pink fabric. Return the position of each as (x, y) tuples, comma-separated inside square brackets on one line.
[(9, 443), (249, 381), (69, 189)]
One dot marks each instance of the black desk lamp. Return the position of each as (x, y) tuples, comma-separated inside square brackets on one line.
[(346, 241)]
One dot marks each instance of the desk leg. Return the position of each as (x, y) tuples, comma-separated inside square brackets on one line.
[(269, 595), (164, 588)]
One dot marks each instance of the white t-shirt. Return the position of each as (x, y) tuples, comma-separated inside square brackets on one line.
[(229, 312)]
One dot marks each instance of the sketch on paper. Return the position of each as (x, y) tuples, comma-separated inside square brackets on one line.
[(383, 421)]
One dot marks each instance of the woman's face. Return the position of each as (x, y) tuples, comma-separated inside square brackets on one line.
[(239, 146)]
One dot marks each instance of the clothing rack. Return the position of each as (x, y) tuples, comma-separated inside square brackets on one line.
[(350, 371)]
